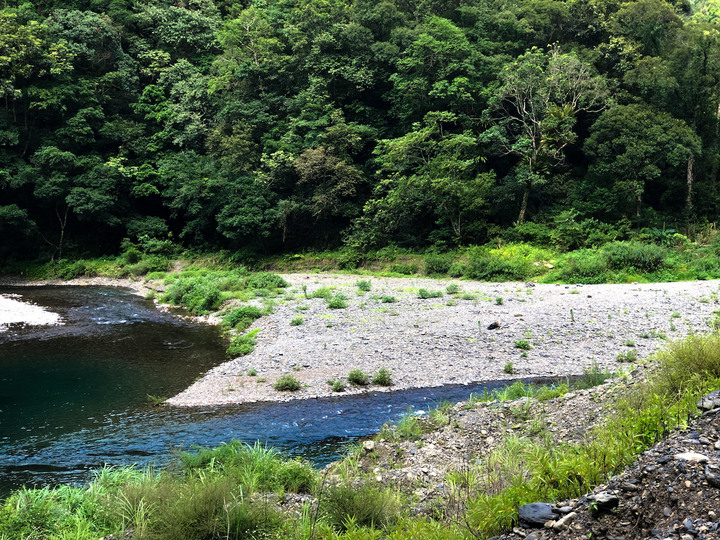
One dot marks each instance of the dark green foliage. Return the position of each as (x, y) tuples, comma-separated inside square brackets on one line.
[(437, 264), (642, 257), (425, 294), (199, 295), (265, 280)]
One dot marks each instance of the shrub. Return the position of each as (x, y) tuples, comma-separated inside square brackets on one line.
[(382, 377), (337, 302), (297, 321), (388, 299), (364, 285), (425, 294), (437, 264), (366, 506), (266, 280), (406, 269), (522, 344), (509, 368), (627, 356), (642, 257), (337, 385), (358, 377), (453, 288), (287, 383), (198, 294), (241, 318), (323, 292), (242, 345)]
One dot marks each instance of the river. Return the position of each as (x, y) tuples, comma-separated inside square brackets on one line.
[(74, 397)]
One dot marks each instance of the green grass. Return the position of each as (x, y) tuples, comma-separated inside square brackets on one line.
[(242, 345), (287, 383), (425, 294), (358, 377), (382, 377)]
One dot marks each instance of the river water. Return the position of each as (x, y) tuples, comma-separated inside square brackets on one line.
[(74, 397)]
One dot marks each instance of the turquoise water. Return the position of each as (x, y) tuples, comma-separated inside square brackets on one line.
[(74, 397)]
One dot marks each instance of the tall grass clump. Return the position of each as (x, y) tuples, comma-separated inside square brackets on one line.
[(242, 345), (367, 505)]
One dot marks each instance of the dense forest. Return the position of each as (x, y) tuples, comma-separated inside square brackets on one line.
[(283, 125)]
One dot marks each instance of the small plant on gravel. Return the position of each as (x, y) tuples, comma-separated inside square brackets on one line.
[(337, 385), (297, 321), (363, 285), (425, 294), (509, 368), (522, 344), (302, 308), (451, 303), (675, 315), (382, 377), (468, 296), (156, 400), (358, 377), (388, 299), (629, 343), (323, 292), (453, 288), (242, 345), (287, 383), (627, 356), (499, 301), (337, 302), (251, 372)]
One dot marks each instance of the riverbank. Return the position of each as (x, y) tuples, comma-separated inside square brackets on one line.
[(15, 311), (476, 332)]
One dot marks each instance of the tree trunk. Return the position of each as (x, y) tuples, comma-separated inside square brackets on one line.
[(523, 205), (690, 179)]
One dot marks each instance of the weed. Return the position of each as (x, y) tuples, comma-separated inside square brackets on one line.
[(522, 344), (451, 303), (252, 372), (388, 300), (452, 289), (338, 301), (241, 318), (337, 385), (349, 507), (499, 301), (468, 296), (627, 356), (156, 400), (363, 285), (242, 345), (297, 321), (358, 378), (509, 368), (629, 343), (287, 383), (382, 377), (425, 294)]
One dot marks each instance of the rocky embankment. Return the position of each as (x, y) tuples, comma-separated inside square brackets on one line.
[(672, 491)]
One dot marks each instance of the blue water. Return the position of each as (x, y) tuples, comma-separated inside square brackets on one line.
[(74, 397)]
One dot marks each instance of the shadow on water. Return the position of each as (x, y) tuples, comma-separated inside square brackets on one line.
[(74, 397)]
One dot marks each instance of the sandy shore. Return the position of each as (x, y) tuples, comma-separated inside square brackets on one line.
[(446, 340)]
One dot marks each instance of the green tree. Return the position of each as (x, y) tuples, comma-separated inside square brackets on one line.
[(535, 109)]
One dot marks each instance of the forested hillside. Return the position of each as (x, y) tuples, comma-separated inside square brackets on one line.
[(279, 125)]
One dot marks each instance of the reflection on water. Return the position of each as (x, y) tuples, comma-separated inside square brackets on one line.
[(74, 397)]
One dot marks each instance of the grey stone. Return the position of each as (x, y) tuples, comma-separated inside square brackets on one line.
[(536, 514), (604, 502), (709, 401), (712, 477)]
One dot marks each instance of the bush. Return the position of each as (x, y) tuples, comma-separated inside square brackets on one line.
[(406, 269), (382, 377), (287, 383), (337, 385), (337, 302), (358, 377), (425, 294), (522, 344), (364, 285), (241, 318), (266, 280), (437, 264), (628, 255), (453, 288), (199, 294), (242, 345), (509, 368), (366, 505), (388, 300)]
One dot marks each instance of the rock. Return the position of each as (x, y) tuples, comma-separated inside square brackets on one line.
[(709, 401), (536, 514), (712, 477), (604, 502), (369, 446), (493, 325), (562, 523), (692, 457)]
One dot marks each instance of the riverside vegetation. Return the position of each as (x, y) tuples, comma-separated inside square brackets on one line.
[(241, 491)]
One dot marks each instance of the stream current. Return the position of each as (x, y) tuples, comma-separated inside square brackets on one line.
[(74, 397)]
